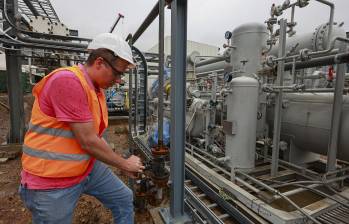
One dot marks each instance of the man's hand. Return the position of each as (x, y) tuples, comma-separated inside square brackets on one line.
[(134, 165)]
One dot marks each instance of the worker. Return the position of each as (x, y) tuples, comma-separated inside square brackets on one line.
[(64, 153)]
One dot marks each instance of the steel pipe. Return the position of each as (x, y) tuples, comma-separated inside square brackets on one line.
[(161, 70), (320, 61), (336, 115), (50, 42), (146, 23), (278, 106)]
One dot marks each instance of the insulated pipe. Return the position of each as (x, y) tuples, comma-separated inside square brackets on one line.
[(41, 46), (210, 61), (209, 68), (49, 42), (54, 36)]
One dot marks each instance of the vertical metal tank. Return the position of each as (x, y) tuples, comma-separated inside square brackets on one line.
[(248, 41), (241, 124)]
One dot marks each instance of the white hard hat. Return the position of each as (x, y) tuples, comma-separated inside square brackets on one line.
[(114, 43)]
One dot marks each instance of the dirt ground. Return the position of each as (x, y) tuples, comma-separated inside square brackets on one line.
[(88, 211)]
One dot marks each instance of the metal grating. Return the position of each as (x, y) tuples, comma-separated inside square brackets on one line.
[(33, 8), (339, 215)]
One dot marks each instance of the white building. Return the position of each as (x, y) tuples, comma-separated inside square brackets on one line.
[(203, 49)]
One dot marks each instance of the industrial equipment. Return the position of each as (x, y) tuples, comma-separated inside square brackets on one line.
[(257, 135), (265, 124)]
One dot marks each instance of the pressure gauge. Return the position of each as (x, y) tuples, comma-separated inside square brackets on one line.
[(228, 77), (228, 35)]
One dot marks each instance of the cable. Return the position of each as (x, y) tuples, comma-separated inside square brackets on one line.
[(313, 190)]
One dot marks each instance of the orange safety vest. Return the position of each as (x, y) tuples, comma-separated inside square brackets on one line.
[(50, 148)]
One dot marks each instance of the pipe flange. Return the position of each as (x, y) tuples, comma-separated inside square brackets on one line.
[(302, 3), (304, 54), (270, 60), (160, 182), (160, 151), (320, 37)]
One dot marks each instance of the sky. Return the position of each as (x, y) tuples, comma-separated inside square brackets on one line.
[(208, 20)]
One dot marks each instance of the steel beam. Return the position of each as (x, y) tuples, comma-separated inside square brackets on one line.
[(15, 94), (31, 7), (336, 115), (178, 102), (161, 70)]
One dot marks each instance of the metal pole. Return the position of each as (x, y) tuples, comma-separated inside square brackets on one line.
[(336, 114), (135, 114), (178, 101), (146, 23), (130, 103), (116, 22), (278, 100), (15, 94), (161, 71)]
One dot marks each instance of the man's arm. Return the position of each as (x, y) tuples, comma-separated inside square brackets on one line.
[(98, 148)]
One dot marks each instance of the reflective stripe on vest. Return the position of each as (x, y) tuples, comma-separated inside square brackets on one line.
[(51, 131), (54, 155)]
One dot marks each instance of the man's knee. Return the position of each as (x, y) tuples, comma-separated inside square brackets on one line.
[(128, 195)]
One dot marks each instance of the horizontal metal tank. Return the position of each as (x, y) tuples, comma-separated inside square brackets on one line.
[(240, 126), (314, 41), (306, 120)]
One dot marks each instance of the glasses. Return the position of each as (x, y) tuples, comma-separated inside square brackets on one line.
[(116, 72)]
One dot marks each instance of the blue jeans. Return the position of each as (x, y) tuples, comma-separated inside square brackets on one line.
[(57, 205)]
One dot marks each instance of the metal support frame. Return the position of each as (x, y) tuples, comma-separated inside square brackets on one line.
[(336, 114), (146, 23), (130, 103), (135, 97), (15, 94), (161, 70), (178, 102), (278, 100), (13, 23)]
